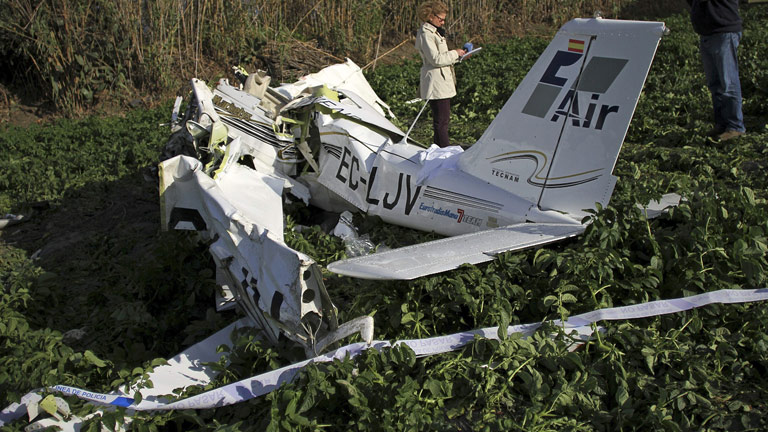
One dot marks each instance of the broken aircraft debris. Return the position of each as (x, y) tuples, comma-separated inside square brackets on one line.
[(542, 164)]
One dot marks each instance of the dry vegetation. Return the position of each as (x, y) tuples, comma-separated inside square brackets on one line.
[(82, 53)]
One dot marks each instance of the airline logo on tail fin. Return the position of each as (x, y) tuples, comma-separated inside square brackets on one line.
[(560, 133), (598, 76)]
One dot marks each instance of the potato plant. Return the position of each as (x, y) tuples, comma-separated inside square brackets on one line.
[(108, 296)]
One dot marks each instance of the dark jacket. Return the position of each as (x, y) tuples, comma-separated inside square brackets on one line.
[(715, 16)]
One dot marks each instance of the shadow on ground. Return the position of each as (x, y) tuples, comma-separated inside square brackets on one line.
[(113, 282)]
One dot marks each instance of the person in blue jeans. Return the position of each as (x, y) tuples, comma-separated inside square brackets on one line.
[(719, 26)]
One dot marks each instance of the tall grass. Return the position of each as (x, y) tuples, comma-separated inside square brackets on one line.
[(78, 52)]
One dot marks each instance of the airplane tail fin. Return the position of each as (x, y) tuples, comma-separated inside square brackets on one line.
[(556, 140)]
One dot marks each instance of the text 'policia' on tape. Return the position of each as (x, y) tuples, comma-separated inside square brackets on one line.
[(262, 384)]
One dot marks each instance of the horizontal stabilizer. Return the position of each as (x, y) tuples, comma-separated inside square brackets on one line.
[(437, 256)]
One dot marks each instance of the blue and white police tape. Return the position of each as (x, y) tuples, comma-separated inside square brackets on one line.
[(264, 383)]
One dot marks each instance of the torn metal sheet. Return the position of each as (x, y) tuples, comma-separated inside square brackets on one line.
[(544, 163), (656, 208), (278, 287)]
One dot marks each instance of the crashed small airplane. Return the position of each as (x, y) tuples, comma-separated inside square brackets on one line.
[(544, 161)]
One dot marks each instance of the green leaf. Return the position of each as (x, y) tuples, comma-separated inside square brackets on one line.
[(161, 361), (503, 324), (750, 195), (407, 318), (435, 387), (109, 420), (622, 395), (91, 357)]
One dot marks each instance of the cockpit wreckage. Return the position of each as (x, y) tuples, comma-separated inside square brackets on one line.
[(545, 160)]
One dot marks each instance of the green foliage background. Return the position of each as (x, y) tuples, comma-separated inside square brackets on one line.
[(143, 298)]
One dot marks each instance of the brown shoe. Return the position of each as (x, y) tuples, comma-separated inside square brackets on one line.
[(729, 135), (715, 132)]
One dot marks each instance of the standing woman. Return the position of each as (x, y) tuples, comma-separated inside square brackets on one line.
[(438, 83)]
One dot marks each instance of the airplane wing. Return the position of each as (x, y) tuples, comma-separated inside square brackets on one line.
[(437, 256)]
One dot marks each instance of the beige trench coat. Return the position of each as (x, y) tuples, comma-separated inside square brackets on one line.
[(437, 79)]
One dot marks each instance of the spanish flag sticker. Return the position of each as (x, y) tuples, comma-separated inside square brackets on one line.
[(576, 45)]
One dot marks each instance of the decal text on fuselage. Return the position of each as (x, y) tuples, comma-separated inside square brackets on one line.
[(349, 175)]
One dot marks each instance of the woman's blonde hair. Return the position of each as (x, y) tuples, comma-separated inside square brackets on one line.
[(431, 8)]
